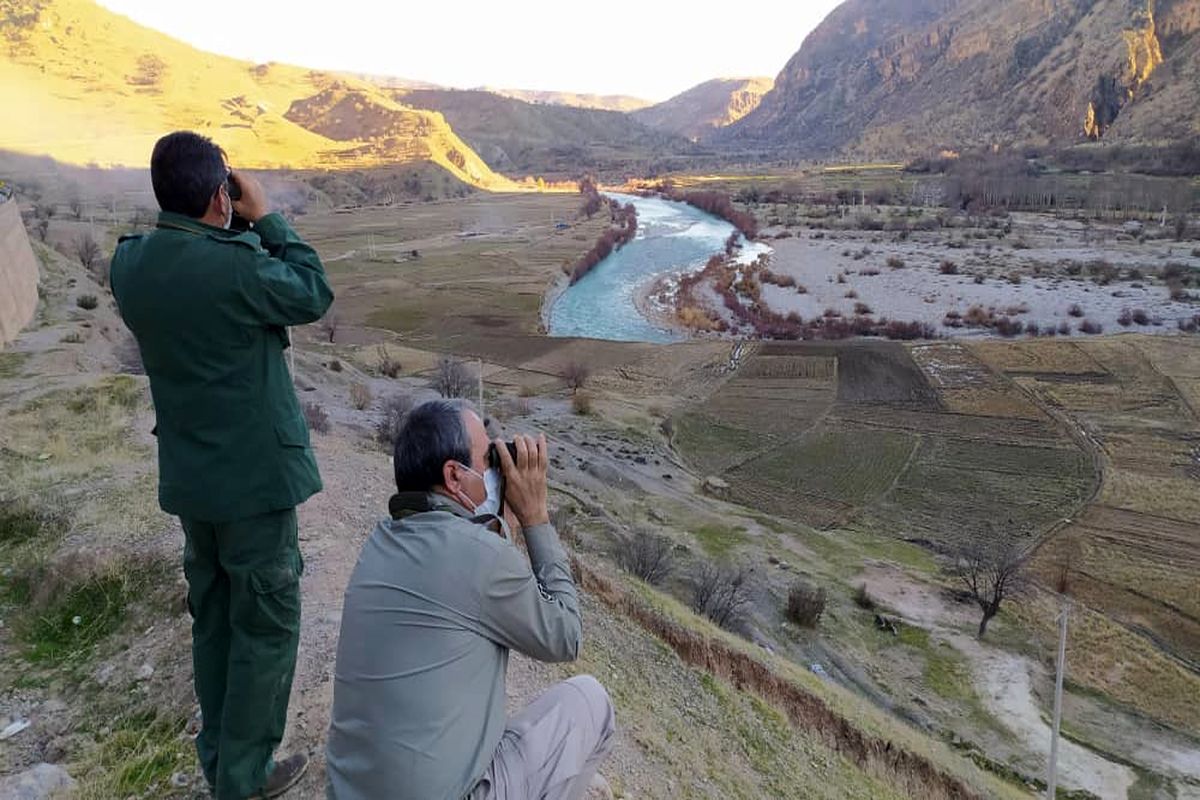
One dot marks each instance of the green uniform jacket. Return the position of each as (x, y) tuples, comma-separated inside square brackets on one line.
[(209, 308)]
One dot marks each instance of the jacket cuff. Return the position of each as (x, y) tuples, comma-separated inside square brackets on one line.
[(272, 228), (543, 544)]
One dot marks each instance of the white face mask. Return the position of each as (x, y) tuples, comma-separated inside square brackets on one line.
[(491, 482)]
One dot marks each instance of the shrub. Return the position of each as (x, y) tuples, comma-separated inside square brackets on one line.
[(851, 295), (805, 604), (1178, 293), (948, 268), (862, 309), (648, 556), (575, 375), (722, 595), (581, 403), (360, 395), (1064, 329), (317, 419), (863, 599), (1032, 328), (1090, 327), (895, 263), (1196, 253), (1125, 319), (387, 366), (87, 302), (334, 365), (451, 378), (1009, 327), (395, 411), (1190, 325), (1075, 310), (1140, 317)]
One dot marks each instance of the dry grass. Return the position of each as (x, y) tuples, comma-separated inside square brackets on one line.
[(1152, 494), (74, 80)]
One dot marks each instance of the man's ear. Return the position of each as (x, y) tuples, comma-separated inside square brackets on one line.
[(450, 476)]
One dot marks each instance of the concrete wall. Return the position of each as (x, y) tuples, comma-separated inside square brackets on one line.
[(18, 274)]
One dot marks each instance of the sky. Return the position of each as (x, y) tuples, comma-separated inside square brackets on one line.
[(652, 49)]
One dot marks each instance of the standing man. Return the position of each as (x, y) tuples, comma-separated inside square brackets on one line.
[(209, 308)]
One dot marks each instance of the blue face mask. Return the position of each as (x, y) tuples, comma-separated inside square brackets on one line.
[(491, 482)]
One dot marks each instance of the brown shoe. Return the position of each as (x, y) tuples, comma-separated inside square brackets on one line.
[(287, 773)]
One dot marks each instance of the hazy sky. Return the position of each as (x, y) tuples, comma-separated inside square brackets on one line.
[(651, 49)]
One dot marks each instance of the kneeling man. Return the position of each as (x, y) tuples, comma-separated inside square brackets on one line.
[(438, 598)]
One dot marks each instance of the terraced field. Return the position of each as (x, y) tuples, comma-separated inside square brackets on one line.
[(1136, 553)]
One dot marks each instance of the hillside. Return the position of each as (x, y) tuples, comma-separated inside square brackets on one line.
[(602, 102), (701, 109), (106, 88), (888, 79), (521, 137)]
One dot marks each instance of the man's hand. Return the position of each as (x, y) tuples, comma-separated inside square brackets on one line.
[(525, 479), (253, 204)]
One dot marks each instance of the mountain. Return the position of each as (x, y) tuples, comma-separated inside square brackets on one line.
[(94, 87), (521, 138), (701, 109), (881, 78), (602, 102)]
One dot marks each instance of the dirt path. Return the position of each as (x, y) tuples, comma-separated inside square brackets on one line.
[(1004, 682)]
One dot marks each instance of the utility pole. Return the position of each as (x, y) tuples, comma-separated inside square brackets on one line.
[(1052, 778), (481, 414)]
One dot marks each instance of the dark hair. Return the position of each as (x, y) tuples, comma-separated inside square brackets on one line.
[(186, 170), (433, 434)]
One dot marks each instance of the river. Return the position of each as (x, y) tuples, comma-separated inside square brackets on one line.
[(672, 238)]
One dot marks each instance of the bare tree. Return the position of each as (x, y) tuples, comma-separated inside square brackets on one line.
[(329, 325), (576, 376), (395, 412), (722, 595), (452, 378), (648, 556), (87, 250), (44, 211), (75, 204), (42, 229), (991, 567)]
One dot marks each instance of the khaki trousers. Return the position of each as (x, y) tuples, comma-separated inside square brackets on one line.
[(552, 748)]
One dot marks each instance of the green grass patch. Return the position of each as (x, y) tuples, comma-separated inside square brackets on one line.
[(121, 391), (19, 525), (139, 756), (719, 540), (63, 629), (11, 364)]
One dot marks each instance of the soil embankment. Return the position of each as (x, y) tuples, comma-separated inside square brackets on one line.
[(18, 274)]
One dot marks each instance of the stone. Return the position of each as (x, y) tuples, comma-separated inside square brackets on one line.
[(598, 789), (145, 672), (39, 782)]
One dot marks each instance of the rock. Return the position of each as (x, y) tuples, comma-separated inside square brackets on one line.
[(13, 729), (55, 750), (145, 672), (773, 559), (598, 789), (40, 782), (104, 674)]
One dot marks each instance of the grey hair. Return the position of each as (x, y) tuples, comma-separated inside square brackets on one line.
[(433, 434)]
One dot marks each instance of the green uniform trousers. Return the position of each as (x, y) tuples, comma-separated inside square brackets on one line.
[(244, 597)]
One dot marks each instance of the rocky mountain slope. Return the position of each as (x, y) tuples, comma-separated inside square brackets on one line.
[(878, 78), (708, 106)]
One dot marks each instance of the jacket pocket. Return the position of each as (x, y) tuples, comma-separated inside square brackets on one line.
[(275, 600), (292, 432)]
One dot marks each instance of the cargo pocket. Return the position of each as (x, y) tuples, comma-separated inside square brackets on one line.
[(292, 432), (275, 593)]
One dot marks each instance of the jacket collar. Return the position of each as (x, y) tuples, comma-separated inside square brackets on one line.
[(182, 222), (406, 504)]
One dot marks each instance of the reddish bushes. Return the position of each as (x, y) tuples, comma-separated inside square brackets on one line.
[(719, 205), (1090, 327), (614, 238)]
